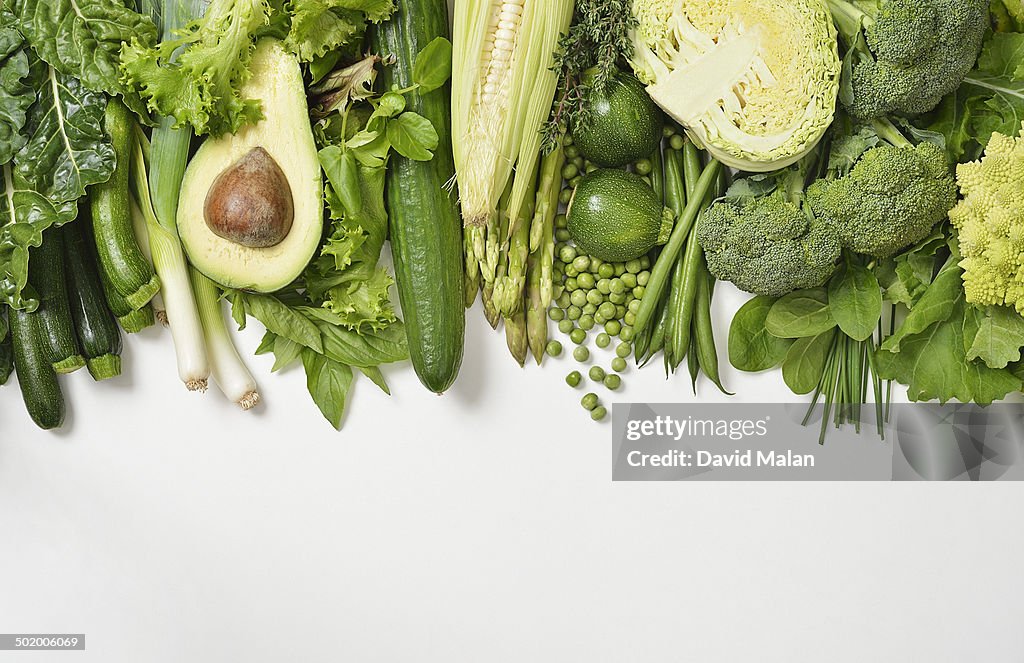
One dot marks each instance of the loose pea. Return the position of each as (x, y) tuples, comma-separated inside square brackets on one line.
[(618, 364), (599, 319), (561, 221), (573, 312), (639, 291), (598, 413), (562, 235), (612, 381), (586, 280), (587, 322), (563, 300), (595, 265), (571, 151), (572, 285), (643, 278), (633, 307), (582, 263), (629, 280), (596, 373), (613, 327), (607, 271), (567, 254), (595, 297), (570, 171), (606, 310), (575, 182), (623, 349), (581, 353), (620, 312), (556, 314), (578, 336), (629, 318), (620, 269), (676, 142), (633, 267), (578, 162), (565, 326), (565, 196), (571, 271), (590, 401), (668, 131), (604, 286), (557, 289), (617, 299), (627, 333), (573, 379), (645, 263), (603, 340), (578, 298), (617, 286), (589, 309), (554, 349), (643, 167)]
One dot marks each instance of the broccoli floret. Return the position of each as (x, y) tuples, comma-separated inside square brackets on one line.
[(893, 196), (768, 244), (906, 55), (990, 224)]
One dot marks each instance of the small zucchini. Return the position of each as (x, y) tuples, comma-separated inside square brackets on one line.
[(6, 350), (97, 329), (120, 259), (36, 377), (55, 329)]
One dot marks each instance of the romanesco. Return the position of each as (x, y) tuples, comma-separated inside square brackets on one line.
[(990, 224)]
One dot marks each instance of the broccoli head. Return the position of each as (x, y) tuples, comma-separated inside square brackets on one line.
[(892, 197), (768, 245), (990, 224), (906, 55)]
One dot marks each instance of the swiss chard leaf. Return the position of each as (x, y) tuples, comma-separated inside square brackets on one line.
[(16, 95)]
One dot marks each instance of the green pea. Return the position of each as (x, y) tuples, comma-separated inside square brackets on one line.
[(639, 291), (643, 167), (627, 333), (589, 309), (634, 306), (595, 297), (599, 319), (616, 299), (617, 286), (643, 278), (604, 286), (612, 381), (613, 327), (596, 373), (595, 265), (645, 263), (628, 280), (558, 251), (573, 379), (581, 353), (569, 171), (571, 271), (668, 131), (554, 348), (562, 235), (582, 263), (563, 300), (561, 221), (572, 284), (607, 271), (623, 349), (571, 151), (573, 312), (676, 142), (578, 298), (557, 289), (618, 364), (620, 312), (566, 326), (603, 340), (587, 322), (606, 310), (556, 314), (629, 318), (578, 336), (598, 413), (633, 267), (578, 162), (620, 269), (567, 254), (589, 401), (565, 196), (586, 280)]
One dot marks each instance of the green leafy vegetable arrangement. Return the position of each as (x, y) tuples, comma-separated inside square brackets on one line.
[(338, 318)]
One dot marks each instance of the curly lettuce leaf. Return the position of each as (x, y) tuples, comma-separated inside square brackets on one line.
[(363, 302), (200, 87), (83, 39), (16, 95), (321, 26)]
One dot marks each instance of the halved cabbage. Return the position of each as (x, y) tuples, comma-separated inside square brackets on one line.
[(755, 82)]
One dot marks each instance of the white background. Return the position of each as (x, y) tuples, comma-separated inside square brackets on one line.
[(477, 526)]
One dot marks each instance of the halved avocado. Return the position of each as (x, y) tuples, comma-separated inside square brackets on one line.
[(250, 212)]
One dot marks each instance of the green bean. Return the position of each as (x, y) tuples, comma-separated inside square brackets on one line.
[(703, 330)]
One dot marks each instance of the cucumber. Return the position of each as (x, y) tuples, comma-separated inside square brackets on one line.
[(55, 329), (426, 230), (36, 377), (624, 124), (121, 260), (97, 329), (616, 216)]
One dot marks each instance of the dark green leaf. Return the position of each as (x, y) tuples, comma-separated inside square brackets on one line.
[(266, 344), (6, 360), (413, 136), (805, 362), (285, 353), (376, 376), (328, 383), (751, 347), (237, 300), (1000, 337), (800, 314), (936, 305), (284, 321), (16, 95), (364, 349), (433, 65), (340, 166), (855, 299)]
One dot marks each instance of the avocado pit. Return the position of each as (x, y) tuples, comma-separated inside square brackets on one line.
[(250, 203)]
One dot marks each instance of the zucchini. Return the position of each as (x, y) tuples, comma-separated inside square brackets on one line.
[(426, 231), (55, 329), (624, 124), (6, 350), (97, 329), (131, 319), (120, 259), (36, 377)]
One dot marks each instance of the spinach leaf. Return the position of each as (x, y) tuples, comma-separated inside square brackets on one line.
[(855, 299), (751, 347), (328, 383), (800, 314), (805, 362)]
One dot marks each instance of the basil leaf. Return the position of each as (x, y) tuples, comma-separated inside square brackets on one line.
[(433, 65), (376, 376), (412, 136), (266, 345), (855, 300), (285, 353), (283, 321), (805, 362), (751, 347), (800, 314), (364, 349), (341, 170), (328, 383)]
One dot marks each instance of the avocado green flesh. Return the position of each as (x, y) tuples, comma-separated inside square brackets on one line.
[(614, 216), (285, 134), (625, 125)]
